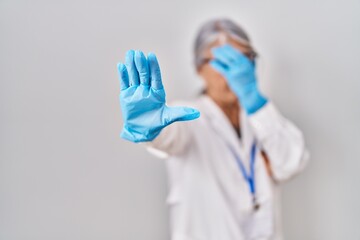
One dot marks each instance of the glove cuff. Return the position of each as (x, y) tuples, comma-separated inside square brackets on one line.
[(253, 102)]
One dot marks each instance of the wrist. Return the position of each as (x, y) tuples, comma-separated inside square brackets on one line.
[(252, 101)]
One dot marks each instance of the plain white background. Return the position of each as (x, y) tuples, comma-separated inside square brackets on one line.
[(66, 174)]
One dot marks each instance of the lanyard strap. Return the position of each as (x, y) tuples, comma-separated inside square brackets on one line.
[(250, 178)]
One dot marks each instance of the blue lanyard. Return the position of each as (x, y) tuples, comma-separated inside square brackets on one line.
[(250, 178)]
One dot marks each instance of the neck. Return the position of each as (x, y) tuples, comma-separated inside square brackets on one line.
[(232, 112)]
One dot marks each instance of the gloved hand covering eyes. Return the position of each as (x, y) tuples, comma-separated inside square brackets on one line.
[(239, 72), (142, 99)]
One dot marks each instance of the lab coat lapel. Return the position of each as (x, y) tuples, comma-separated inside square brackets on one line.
[(247, 136), (224, 129), (222, 126)]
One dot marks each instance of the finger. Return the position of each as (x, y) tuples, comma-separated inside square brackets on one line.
[(142, 68), (235, 54), (222, 56), (130, 65), (174, 114), (219, 67), (155, 73), (123, 76), (232, 52)]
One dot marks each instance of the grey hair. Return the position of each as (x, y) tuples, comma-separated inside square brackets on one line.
[(213, 30)]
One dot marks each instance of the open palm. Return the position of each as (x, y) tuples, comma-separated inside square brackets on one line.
[(142, 99)]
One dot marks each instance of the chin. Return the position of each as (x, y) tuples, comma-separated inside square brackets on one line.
[(229, 99)]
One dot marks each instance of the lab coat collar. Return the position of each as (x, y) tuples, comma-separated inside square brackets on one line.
[(224, 128)]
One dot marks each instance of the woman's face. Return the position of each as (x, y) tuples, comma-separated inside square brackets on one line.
[(215, 84)]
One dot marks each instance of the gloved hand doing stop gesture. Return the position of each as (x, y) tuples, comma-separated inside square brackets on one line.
[(142, 99)]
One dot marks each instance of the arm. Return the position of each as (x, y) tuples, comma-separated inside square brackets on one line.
[(173, 140), (143, 104), (282, 143)]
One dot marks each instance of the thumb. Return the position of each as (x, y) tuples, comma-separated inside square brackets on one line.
[(174, 114)]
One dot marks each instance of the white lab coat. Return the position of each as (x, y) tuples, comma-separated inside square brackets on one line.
[(209, 198)]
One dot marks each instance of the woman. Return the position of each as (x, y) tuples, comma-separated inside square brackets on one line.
[(224, 168)]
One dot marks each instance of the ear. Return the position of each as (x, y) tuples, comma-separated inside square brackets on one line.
[(199, 69), (203, 73)]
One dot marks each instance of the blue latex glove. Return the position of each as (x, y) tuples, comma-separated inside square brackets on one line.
[(142, 99), (239, 72)]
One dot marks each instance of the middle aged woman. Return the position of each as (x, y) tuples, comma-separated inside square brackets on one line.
[(224, 168)]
